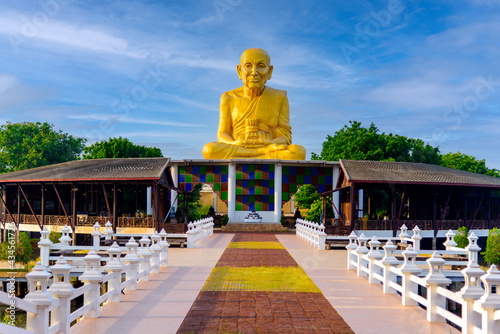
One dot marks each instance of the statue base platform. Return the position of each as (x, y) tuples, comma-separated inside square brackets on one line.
[(260, 227)]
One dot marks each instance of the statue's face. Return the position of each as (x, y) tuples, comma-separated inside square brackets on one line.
[(254, 69)]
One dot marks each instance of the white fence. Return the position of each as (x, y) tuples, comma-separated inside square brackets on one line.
[(48, 305), (480, 303), (311, 232), (198, 230)]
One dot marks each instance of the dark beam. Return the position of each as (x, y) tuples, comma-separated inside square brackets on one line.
[(74, 189), (107, 202), (29, 206), (352, 208), (434, 214), (43, 204), (401, 205), (60, 201), (115, 207), (394, 208), (7, 209)]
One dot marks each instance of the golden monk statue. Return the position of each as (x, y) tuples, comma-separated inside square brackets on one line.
[(254, 119)]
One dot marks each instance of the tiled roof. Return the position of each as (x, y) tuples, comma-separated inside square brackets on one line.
[(97, 169), (406, 172)]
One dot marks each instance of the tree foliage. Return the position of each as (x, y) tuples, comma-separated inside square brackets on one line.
[(20, 249), (28, 145), (355, 142), (314, 214), (305, 196), (468, 163), (119, 148), (461, 237), (191, 206), (492, 250)]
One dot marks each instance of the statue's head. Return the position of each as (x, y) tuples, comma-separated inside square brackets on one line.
[(255, 68)]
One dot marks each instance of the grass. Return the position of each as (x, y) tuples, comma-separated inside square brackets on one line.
[(256, 245), (287, 279)]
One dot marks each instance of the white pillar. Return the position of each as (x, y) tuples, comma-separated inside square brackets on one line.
[(360, 205), (231, 192), (278, 179), (335, 195), (149, 204), (174, 170)]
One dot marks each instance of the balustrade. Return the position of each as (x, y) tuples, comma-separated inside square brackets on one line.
[(480, 307), (313, 233), (48, 307)]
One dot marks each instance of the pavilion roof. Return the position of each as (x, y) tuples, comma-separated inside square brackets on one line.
[(119, 169), (363, 171)]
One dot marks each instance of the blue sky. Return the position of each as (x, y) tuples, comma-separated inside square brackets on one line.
[(153, 71)]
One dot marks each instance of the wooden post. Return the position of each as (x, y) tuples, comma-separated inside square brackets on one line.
[(394, 210), (73, 223), (29, 206), (60, 201), (18, 206), (43, 204), (323, 210), (107, 202), (115, 207), (353, 205), (157, 205), (434, 213), (465, 209)]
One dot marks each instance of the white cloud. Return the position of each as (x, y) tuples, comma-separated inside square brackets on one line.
[(21, 29), (126, 119)]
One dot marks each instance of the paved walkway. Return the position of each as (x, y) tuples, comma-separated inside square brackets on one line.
[(257, 287), (363, 306), (161, 305)]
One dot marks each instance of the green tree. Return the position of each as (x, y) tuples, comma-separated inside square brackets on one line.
[(492, 250), (28, 145), (461, 237), (191, 206), (305, 196), (468, 163), (119, 148), (21, 249), (314, 214), (359, 143)]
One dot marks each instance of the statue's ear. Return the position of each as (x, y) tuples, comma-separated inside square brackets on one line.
[(238, 69), (270, 72)]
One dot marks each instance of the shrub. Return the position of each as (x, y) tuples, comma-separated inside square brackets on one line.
[(22, 249), (224, 220), (461, 237), (492, 251), (54, 237)]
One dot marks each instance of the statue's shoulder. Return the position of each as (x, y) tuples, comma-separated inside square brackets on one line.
[(235, 93), (278, 93)]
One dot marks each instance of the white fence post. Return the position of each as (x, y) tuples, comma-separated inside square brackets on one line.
[(132, 259), (65, 239), (373, 255), (434, 279), (321, 237), (360, 251), (145, 253), (96, 236), (473, 248), (351, 247), (41, 298), (61, 289), (449, 240), (490, 301), (388, 261), (156, 250), (416, 238), (471, 292), (116, 267), (190, 234), (44, 245), (92, 276), (407, 269), (164, 248)]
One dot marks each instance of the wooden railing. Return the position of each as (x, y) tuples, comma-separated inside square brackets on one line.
[(81, 220), (424, 225)]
